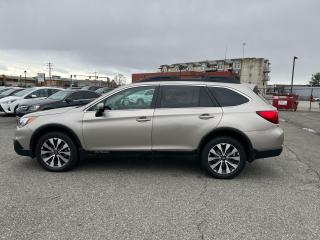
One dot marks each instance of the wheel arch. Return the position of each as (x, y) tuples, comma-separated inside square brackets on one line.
[(51, 128), (230, 132)]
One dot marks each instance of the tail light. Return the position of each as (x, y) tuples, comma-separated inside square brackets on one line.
[(271, 116)]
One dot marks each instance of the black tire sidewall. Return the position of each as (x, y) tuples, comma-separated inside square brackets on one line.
[(73, 148), (223, 139)]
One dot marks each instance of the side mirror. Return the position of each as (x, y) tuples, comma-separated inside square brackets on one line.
[(33, 96), (100, 110), (68, 100)]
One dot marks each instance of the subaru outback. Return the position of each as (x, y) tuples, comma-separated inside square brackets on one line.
[(225, 125)]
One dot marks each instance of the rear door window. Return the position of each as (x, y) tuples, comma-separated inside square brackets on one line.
[(76, 96), (184, 97), (227, 97)]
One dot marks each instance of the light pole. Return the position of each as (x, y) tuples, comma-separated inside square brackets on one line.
[(243, 47), (71, 81), (294, 63), (25, 78)]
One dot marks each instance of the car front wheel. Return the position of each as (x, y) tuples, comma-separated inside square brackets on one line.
[(223, 157), (56, 152)]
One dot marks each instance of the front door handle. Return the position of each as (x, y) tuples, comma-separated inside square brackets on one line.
[(206, 116), (143, 119)]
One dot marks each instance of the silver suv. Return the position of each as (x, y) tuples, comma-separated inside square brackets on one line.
[(225, 125)]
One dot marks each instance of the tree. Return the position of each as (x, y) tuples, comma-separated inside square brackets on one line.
[(120, 79), (315, 80)]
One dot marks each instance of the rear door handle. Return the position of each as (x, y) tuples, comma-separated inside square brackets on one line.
[(206, 116), (143, 119)]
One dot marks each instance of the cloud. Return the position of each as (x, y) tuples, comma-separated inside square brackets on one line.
[(144, 34), (3, 67)]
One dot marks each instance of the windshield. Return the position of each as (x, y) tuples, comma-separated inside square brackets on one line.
[(24, 92), (8, 92), (60, 95), (3, 90)]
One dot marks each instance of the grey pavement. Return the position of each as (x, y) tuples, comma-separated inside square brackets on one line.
[(276, 198)]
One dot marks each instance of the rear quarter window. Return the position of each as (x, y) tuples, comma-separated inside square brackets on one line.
[(227, 97)]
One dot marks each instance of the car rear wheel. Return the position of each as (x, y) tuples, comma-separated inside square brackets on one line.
[(56, 152), (223, 157)]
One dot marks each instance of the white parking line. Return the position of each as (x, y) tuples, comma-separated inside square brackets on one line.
[(309, 130)]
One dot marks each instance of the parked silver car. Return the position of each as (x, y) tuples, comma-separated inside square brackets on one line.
[(226, 125)]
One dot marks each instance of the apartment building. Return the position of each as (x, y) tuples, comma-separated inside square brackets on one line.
[(250, 70)]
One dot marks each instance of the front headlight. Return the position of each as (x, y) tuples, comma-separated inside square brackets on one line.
[(34, 108), (24, 121)]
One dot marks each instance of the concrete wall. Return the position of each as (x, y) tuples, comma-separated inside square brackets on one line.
[(252, 71)]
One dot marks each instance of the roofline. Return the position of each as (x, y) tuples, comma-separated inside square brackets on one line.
[(186, 83)]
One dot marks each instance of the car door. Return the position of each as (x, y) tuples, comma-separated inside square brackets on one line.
[(183, 115), (125, 124)]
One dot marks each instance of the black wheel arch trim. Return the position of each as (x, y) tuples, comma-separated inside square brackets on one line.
[(53, 127), (229, 131)]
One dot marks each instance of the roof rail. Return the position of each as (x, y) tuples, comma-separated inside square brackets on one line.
[(221, 79)]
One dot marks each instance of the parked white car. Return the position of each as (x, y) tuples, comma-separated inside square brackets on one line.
[(9, 104)]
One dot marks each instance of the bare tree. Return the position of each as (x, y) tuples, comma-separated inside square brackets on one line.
[(120, 79)]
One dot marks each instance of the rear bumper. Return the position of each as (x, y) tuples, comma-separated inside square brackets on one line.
[(19, 149), (257, 154)]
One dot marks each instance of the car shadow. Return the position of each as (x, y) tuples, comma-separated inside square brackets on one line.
[(256, 171), (147, 164)]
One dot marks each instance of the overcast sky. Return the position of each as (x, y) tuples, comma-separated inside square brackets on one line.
[(84, 36)]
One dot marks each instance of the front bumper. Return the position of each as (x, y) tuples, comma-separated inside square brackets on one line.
[(19, 149), (4, 107)]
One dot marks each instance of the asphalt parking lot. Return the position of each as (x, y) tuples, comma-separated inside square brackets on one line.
[(276, 198)]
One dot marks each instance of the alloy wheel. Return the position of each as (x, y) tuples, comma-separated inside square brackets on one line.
[(224, 158), (55, 152)]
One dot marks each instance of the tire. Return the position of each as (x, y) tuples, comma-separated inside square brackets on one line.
[(227, 162), (56, 152), (15, 110)]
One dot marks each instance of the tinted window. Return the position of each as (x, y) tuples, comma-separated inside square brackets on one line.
[(59, 95), (38, 93), (76, 96), (227, 97), (52, 91), (89, 95), (24, 92), (184, 97), (205, 100), (133, 98)]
